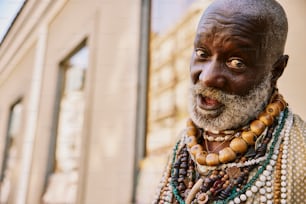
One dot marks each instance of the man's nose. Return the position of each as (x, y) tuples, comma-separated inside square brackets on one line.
[(212, 75)]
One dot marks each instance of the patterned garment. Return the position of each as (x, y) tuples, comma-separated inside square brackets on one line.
[(297, 162)]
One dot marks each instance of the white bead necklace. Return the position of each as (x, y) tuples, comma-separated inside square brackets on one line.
[(264, 184), (285, 159)]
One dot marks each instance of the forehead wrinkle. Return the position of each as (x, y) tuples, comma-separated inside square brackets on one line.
[(236, 20), (238, 27)]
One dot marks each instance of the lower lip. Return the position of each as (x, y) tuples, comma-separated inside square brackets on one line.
[(208, 104)]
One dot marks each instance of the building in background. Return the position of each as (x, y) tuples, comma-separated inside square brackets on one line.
[(68, 89), (74, 127)]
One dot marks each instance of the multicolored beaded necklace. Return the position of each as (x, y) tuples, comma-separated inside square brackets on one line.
[(257, 170)]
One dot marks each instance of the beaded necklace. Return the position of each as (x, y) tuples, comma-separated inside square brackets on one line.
[(187, 181), (238, 145), (253, 185)]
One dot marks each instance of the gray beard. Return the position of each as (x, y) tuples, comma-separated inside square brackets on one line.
[(237, 111)]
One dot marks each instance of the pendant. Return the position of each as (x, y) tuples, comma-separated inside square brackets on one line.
[(233, 172)]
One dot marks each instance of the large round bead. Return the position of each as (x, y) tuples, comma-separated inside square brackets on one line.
[(281, 104), (190, 123), (227, 155), (273, 109), (266, 118), (280, 99), (249, 137), (238, 145), (191, 131), (201, 157), (257, 127), (212, 159), (191, 141), (196, 149)]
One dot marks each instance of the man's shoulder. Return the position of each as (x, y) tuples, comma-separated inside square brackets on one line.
[(299, 124)]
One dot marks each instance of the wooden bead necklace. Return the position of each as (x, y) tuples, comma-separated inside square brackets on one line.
[(238, 145)]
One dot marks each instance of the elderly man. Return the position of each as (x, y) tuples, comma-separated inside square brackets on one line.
[(242, 144)]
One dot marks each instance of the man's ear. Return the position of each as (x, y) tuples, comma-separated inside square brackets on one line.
[(278, 68)]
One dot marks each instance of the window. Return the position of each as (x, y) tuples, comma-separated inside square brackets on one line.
[(10, 157), (63, 182)]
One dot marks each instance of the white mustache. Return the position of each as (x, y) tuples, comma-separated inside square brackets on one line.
[(213, 93)]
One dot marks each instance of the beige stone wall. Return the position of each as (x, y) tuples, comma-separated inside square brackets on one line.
[(111, 29)]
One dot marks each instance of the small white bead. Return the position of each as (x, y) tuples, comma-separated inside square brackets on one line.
[(263, 199), (284, 166), (283, 183), (276, 152), (284, 172), (231, 202), (266, 173), (284, 156), (218, 139), (262, 178), (272, 162), (274, 157), (269, 196), (283, 190), (254, 189), (269, 190), (262, 191), (269, 202), (237, 200), (243, 197), (259, 184), (269, 167), (283, 178), (285, 151), (269, 183), (248, 193), (284, 161), (269, 178), (286, 142), (283, 201), (283, 195)]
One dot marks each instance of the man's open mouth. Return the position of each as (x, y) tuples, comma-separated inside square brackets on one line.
[(207, 103)]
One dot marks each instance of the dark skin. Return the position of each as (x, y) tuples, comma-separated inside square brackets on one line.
[(229, 55)]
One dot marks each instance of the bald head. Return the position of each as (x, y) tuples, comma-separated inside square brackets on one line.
[(268, 16)]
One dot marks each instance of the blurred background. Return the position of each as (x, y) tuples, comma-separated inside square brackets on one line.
[(94, 93)]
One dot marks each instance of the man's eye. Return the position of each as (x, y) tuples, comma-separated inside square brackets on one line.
[(201, 53), (235, 63)]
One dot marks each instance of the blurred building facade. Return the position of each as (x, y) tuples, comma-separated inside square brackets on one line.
[(71, 82), (68, 89)]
